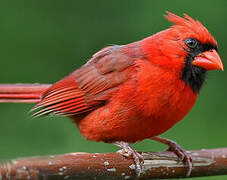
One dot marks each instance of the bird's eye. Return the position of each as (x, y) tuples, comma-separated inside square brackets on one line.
[(191, 43)]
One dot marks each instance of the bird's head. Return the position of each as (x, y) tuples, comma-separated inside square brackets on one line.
[(186, 48)]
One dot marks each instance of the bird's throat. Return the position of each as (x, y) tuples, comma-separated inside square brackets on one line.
[(194, 76)]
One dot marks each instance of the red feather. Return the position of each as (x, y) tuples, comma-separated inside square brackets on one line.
[(129, 92)]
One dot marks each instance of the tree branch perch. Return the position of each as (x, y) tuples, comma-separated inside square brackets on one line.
[(85, 166)]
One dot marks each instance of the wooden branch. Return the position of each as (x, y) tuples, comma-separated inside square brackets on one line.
[(111, 166)]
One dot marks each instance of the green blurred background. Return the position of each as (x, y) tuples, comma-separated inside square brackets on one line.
[(44, 40)]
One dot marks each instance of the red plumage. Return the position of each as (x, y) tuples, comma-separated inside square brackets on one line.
[(136, 91), (130, 92)]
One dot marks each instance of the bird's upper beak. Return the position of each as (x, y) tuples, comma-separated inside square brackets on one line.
[(209, 60)]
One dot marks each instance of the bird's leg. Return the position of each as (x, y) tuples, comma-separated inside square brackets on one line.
[(180, 152), (129, 151)]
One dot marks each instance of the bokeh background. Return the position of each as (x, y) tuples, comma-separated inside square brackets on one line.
[(44, 40)]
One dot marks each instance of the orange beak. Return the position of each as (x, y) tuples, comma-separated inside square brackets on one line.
[(209, 60)]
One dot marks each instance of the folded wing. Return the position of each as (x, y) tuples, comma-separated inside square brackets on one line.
[(88, 87)]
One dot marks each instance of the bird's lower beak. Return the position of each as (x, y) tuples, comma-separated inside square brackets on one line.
[(209, 60)]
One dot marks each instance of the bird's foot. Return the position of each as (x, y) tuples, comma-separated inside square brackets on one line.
[(182, 155), (179, 151), (128, 151)]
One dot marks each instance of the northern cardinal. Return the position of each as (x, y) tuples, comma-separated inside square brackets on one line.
[(128, 93)]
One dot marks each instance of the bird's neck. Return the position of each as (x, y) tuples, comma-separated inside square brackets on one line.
[(193, 76)]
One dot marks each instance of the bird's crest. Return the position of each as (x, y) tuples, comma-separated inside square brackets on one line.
[(192, 26)]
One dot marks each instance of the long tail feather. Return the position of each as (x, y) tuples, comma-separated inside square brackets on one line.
[(22, 93)]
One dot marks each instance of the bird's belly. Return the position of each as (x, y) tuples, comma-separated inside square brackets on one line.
[(140, 109), (128, 122)]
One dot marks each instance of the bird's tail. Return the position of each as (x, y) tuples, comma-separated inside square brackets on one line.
[(22, 93)]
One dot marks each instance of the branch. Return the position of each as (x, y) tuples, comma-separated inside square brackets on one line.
[(85, 166)]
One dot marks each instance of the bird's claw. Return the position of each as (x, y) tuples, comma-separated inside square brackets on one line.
[(182, 155), (124, 153), (127, 151)]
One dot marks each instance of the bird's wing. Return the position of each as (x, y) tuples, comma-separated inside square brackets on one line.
[(88, 87)]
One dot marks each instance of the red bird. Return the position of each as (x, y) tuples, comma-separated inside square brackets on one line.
[(128, 93)]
